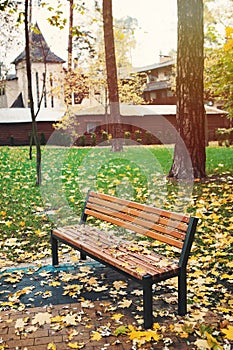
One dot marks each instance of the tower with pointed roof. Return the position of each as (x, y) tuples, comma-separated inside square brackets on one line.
[(47, 77)]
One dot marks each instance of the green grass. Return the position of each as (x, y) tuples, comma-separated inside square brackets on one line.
[(27, 212)]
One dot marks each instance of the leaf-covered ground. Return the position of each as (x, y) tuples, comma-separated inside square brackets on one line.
[(27, 214)]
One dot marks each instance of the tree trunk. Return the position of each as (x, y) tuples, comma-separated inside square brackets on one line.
[(110, 58), (70, 37), (30, 97), (190, 114)]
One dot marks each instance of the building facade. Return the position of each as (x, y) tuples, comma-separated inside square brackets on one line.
[(47, 78), (160, 75)]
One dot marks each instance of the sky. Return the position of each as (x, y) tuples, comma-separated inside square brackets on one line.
[(157, 30), (156, 33)]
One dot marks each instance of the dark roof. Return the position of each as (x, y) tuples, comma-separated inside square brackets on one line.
[(156, 66), (11, 77), (40, 50), (18, 103)]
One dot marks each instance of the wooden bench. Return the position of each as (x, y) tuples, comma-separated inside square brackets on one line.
[(133, 258)]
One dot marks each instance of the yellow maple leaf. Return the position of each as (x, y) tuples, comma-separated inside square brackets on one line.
[(228, 332), (96, 336), (76, 345), (57, 318), (54, 283), (140, 270), (125, 303), (227, 276), (51, 346), (8, 223), (119, 284), (19, 324), (42, 318), (213, 343), (87, 304), (70, 320), (117, 317), (144, 336)]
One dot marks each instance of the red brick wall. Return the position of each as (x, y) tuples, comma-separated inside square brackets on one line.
[(19, 133)]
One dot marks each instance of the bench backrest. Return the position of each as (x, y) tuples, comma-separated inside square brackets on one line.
[(168, 227)]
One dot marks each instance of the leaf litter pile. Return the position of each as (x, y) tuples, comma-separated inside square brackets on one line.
[(106, 305)]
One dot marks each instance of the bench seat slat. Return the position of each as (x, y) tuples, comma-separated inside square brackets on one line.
[(149, 265), (124, 246), (143, 231), (136, 205), (133, 263)]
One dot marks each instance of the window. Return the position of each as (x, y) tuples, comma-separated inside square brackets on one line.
[(169, 93), (51, 90), (153, 96), (91, 126), (37, 89), (45, 92), (2, 90)]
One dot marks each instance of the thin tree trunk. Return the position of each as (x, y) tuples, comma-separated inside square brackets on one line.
[(190, 112), (112, 84), (30, 97), (70, 38)]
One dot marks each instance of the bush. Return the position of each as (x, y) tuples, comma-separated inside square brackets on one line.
[(104, 136), (224, 135), (127, 135), (83, 140), (138, 135), (12, 140), (42, 139), (148, 137), (93, 139)]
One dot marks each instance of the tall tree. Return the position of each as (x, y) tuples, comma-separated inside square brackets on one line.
[(30, 95), (189, 89), (112, 84)]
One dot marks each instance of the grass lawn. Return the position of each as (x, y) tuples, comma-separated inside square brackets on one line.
[(27, 214)]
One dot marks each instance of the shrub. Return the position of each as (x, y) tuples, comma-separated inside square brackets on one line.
[(127, 135), (83, 140), (104, 136), (138, 135), (12, 140), (224, 135), (42, 139), (93, 139), (148, 137)]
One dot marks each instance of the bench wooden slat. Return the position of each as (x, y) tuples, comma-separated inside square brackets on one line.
[(161, 212), (151, 217), (133, 263), (148, 264), (137, 221), (135, 228), (106, 257)]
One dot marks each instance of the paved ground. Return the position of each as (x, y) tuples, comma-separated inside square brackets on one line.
[(97, 319), (36, 315)]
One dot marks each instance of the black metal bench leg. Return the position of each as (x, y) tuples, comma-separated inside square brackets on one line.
[(147, 302), (83, 256), (182, 293), (54, 244)]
